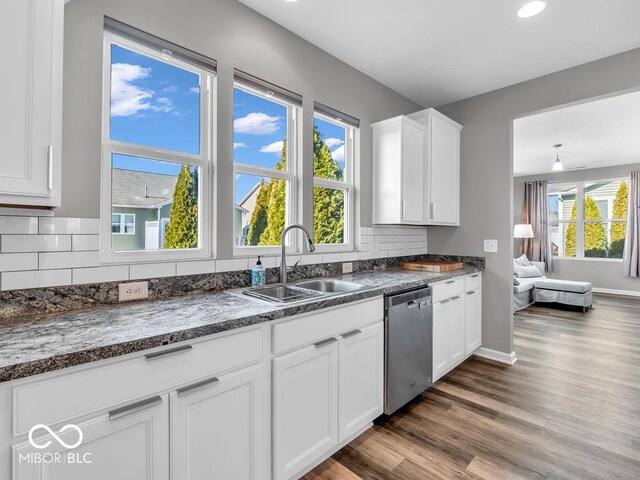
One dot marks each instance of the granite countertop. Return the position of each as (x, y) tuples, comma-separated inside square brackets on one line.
[(44, 343)]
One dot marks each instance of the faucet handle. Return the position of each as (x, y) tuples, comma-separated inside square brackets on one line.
[(293, 267)]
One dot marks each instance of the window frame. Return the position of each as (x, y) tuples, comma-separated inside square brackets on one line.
[(348, 186), (291, 175), (205, 161), (580, 221), (123, 224)]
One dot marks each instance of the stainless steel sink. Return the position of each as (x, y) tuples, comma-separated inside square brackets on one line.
[(281, 293), (301, 291), (329, 285)]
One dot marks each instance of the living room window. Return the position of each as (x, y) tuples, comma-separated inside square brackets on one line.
[(265, 158), (588, 219), (333, 173), (157, 148)]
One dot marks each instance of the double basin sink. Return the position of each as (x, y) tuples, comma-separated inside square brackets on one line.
[(303, 290)]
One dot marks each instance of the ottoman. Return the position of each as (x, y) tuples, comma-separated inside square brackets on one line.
[(578, 294)]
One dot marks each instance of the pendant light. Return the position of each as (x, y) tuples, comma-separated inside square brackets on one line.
[(557, 165)]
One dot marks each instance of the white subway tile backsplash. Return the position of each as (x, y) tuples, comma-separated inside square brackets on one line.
[(18, 225), (232, 265), (349, 256), (151, 270), (53, 260), (310, 259), (35, 243), (85, 242), (12, 262), (35, 279), (331, 257), (112, 273), (58, 225), (195, 267)]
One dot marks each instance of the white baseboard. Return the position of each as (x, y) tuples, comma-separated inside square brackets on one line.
[(611, 291), (508, 358)]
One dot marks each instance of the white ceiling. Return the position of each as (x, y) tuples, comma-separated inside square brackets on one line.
[(438, 51), (594, 134)]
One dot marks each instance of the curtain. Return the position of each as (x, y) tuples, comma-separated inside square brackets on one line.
[(631, 257), (535, 212)]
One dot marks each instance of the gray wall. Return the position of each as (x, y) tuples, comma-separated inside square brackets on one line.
[(601, 273), (237, 37), (487, 172)]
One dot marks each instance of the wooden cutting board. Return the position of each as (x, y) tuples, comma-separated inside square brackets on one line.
[(433, 266)]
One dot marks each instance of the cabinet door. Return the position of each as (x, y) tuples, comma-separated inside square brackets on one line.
[(361, 359), (219, 428), (441, 358), (445, 172), (129, 444), (305, 396), (413, 141), (456, 330), (473, 321), (31, 98)]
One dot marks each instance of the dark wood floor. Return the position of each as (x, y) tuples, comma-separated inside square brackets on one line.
[(568, 409)]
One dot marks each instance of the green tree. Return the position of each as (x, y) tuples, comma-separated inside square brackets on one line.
[(595, 234), (259, 216), (619, 229), (328, 204), (276, 205), (182, 231)]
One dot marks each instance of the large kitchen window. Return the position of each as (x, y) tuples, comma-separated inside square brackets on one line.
[(157, 148), (588, 219), (333, 189), (265, 158)]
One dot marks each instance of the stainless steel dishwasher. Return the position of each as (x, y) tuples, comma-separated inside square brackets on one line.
[(408, 327)]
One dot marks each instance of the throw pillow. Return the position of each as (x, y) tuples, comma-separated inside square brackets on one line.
[(516, 282), (522, 261), (527, 272)]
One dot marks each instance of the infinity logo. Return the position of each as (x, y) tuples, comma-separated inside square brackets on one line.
[(69, 426)]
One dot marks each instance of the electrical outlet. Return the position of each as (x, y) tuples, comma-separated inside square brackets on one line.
[(491, 246), (133, 291), (347, 267)]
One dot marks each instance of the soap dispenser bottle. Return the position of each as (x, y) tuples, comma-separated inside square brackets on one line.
[(258, 275)]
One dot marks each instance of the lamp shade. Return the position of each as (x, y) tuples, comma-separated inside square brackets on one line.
[(523, 230)]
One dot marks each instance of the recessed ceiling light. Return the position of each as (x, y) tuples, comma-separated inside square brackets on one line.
[(531, 9)]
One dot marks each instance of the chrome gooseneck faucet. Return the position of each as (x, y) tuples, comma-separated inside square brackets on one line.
[(283, 261)]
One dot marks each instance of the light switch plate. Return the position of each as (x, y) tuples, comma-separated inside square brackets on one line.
[(133, 291), (347, 267), (491, 246)]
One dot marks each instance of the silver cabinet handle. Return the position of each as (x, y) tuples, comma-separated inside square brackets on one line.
[(169, 351), (135, 407), (352, 333), (471, 292), (455, 298), (450, 282), (475, 276), (404, 209), (194, 386), (50, 167), (445, 301), (325, 342), (433, 210)]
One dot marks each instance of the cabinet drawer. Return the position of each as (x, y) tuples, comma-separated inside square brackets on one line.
[(473, 282), (305, 329), (93, 388), (447, 289)]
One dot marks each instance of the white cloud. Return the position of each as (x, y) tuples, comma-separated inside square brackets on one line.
[(129, 99), (194, 89), (257, 124), (239, 145), (338, 154), (170, 89), (333, 142), (275, 147)]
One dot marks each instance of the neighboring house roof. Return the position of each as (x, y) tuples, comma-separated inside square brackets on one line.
[(141, 189), (250, 194)]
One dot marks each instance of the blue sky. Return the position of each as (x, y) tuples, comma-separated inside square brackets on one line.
[(158, 105)]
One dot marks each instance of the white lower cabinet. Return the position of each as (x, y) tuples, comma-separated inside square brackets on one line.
[(130, 443), (457, 322), (305, 406), (361, 376), (218, 428)]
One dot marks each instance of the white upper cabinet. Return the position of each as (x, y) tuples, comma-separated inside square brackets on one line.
[(442, 168), (31, 97), (398, 171)]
